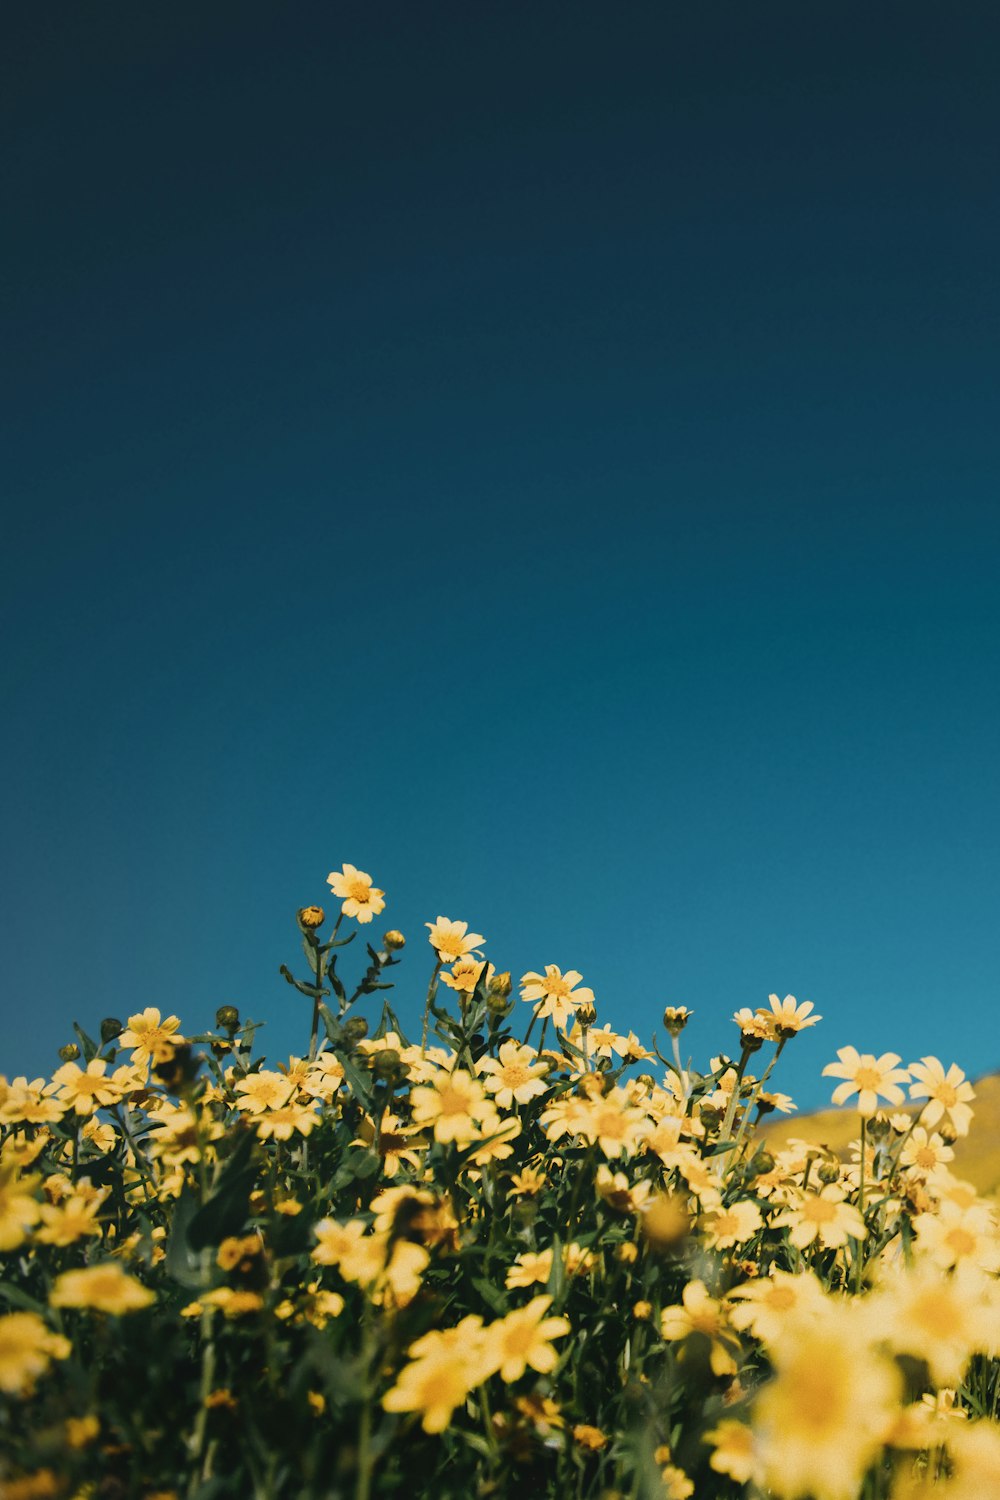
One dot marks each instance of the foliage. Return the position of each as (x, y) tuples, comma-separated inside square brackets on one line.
[(469, 1264)]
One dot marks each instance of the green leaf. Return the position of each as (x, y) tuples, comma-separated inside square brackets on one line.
[(181, 1261), (17, 1298), (88, 1046), (491, 1294), (225, 1212)]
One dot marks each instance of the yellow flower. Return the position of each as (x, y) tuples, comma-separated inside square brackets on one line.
[(524, 1338), (948, 1094), (466, 974), (788, 1016), (80, 1431), (923, 1152), (18, 1207), (516, 1076), (868, 1077), (941, 1319), (529, 1269), (27, 1348), (959, 1236), (554, 993), (233, 1303), (312, 916), (362, 899), (452, 940), (397, 1144), (263, 1090), (105, 1287), (25, 1103), (454, 1103), (236, 1249), (71, 1220), (444, 1367), (615, 1124), (822, 1420), (733, 1453), (591, 1438), (698, 1313), (527, 1182), (146, 1033), (730, 1226), (824, 1217), (769, 1303), (285, 1121), (85, 1090)]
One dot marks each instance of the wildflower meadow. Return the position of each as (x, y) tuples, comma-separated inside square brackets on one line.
[(509, 1252)]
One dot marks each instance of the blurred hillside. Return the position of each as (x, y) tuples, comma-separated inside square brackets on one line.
[(977, 1157)]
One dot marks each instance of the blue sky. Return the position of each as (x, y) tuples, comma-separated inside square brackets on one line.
[(545, 457)]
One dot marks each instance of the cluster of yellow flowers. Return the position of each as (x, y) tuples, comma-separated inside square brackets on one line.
[(571, 1264)]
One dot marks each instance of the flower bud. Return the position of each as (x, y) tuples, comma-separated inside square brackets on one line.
[(586, 1014), (394, 940), (501, 985), (110, 1028), (227, 1017), (642, 1310), (311, 916), (828, 1171), (385, 1064), (355, 1030), (525, 1212), (70, 1052), (627, 1253), (675, 1018)]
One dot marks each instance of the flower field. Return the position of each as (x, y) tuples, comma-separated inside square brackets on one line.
[(516, 1252)]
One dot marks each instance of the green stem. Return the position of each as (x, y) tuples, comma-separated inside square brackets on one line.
[(859, 1263), (431, 992)]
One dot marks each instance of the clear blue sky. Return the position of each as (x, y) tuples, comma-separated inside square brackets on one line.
[(544, 455)]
